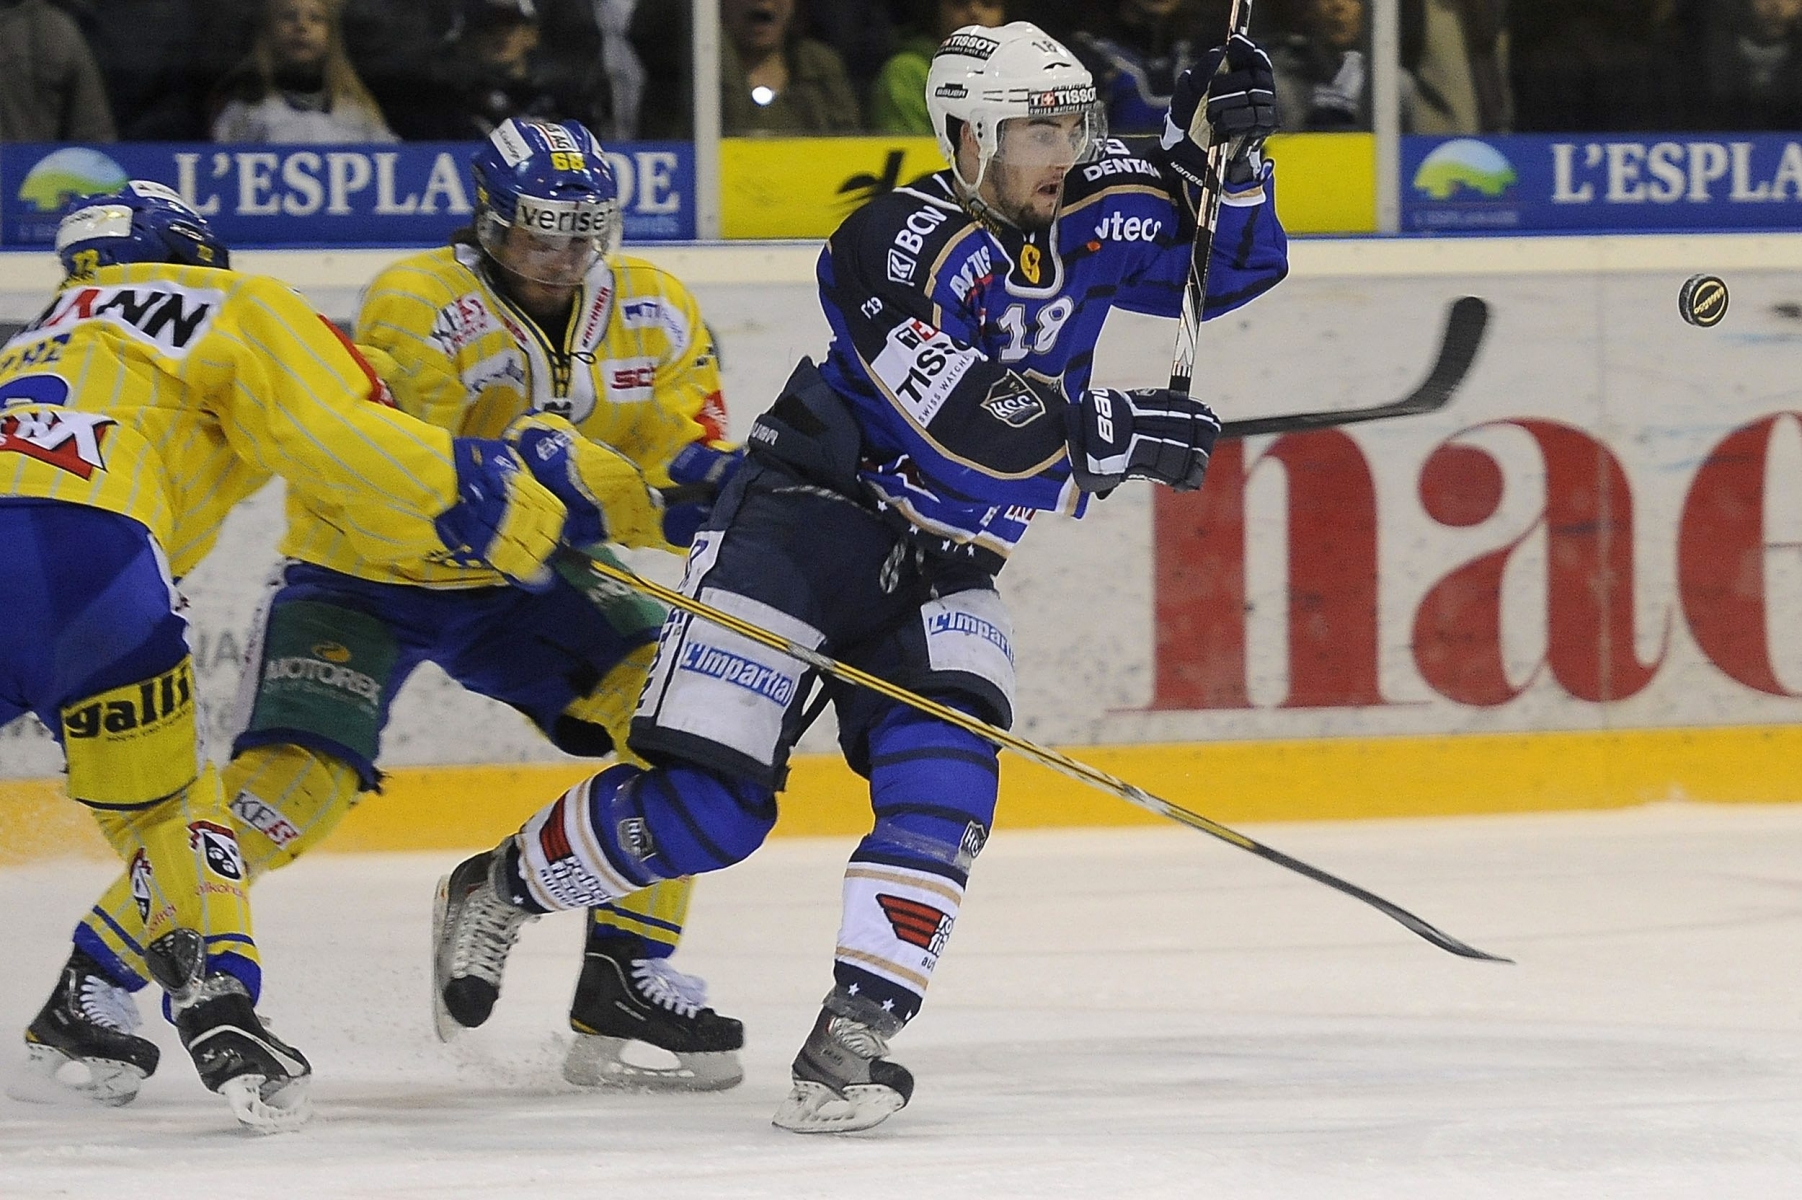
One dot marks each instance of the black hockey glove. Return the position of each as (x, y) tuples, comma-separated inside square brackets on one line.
[(1151, 433), (1240, 112)]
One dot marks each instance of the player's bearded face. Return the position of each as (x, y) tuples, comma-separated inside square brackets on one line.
[(554, 260), (1025, 179)]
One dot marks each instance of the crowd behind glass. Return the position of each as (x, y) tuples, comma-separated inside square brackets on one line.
[(385, 70)]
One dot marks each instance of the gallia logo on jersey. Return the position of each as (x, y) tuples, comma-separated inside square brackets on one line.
[(69, 441), (165, 315), (970, 45)]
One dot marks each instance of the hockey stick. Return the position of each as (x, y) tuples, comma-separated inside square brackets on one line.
[(586, 573), (1464, 327), (1207, 220)]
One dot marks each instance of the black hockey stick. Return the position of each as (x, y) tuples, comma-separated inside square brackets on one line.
[(587, 574), (1464, 327), (1207, 220)]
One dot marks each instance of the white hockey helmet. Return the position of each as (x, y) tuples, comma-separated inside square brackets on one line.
[(983, 77)]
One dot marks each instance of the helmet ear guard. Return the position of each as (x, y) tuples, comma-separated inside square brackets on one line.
[(143, 221)]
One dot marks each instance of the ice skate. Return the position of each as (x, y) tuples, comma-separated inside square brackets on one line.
[(263, 1079), (82, 1048), (622, 1000), (842, 1082), (473, 929)]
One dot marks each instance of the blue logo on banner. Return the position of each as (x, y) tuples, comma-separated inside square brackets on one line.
[(416, 192), (1602, 182)]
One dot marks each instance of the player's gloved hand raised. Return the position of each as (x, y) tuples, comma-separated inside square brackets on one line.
[(503, 518), (1240, 112), (1151, 433), (606, 495), (699, 472)]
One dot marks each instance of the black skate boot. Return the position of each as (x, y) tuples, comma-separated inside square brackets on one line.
[(264, 1079), (82, 1046), (474, 926), (621, 999), (842, 1082)]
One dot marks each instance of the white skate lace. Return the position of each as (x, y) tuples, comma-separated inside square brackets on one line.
[(486, 933), (108, 1005), (660, 983), (857, 1037)]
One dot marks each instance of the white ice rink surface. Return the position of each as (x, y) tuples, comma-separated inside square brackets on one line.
[(1124, 1013)]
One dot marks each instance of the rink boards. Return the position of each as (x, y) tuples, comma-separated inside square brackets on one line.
[(1576, 586)]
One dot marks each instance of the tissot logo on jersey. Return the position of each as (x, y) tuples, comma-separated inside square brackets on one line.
[(920, 365), (69, 441), (165, 315), (970, 45), (1061, 99)]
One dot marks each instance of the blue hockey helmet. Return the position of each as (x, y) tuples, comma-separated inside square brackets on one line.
[(142, 222), (550, 182)]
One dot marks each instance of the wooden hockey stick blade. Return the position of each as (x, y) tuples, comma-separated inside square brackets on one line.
[(1464, 329), (578, 568)]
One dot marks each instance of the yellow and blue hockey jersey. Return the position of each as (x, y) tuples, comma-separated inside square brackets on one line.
[(169, 393), (634, 369)]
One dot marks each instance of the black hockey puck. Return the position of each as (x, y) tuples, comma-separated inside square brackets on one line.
[(1703, 300)]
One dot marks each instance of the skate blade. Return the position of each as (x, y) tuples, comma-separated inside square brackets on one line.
[(599, 1062), (815, 1108), (445, 1025), (53, 1077), (266, 1107)]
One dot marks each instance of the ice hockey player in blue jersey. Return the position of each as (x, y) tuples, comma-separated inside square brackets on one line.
[(882, 493)]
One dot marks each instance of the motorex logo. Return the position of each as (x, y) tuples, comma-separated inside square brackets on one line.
[(1465, 168), (72, 171)]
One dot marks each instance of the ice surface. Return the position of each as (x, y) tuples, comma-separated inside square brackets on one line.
[(1122, 1013)]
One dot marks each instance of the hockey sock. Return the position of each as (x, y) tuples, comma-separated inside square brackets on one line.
[(933, 787)]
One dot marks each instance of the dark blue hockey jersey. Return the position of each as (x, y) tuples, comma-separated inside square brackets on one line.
[(959, 345)]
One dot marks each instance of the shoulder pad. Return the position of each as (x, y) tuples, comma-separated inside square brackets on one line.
[(898, 237), (1117, 163)]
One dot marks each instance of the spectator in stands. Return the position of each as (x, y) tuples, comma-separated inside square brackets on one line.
[(1598, 65), (50, 86), (1136, 49), (772, 80), (297, 84), (1455, 64), (1753, 65), (898, 99), (863, 32), (1322, 70), (507, 59)]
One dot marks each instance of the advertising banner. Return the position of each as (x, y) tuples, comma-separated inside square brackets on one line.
[(269, 195), (803, 187), (1601, 182)]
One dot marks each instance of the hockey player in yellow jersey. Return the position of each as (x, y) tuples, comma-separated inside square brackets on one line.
[(156, 390), (513, 318)]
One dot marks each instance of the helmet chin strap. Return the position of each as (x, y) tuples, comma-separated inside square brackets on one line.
[(969, 194)]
